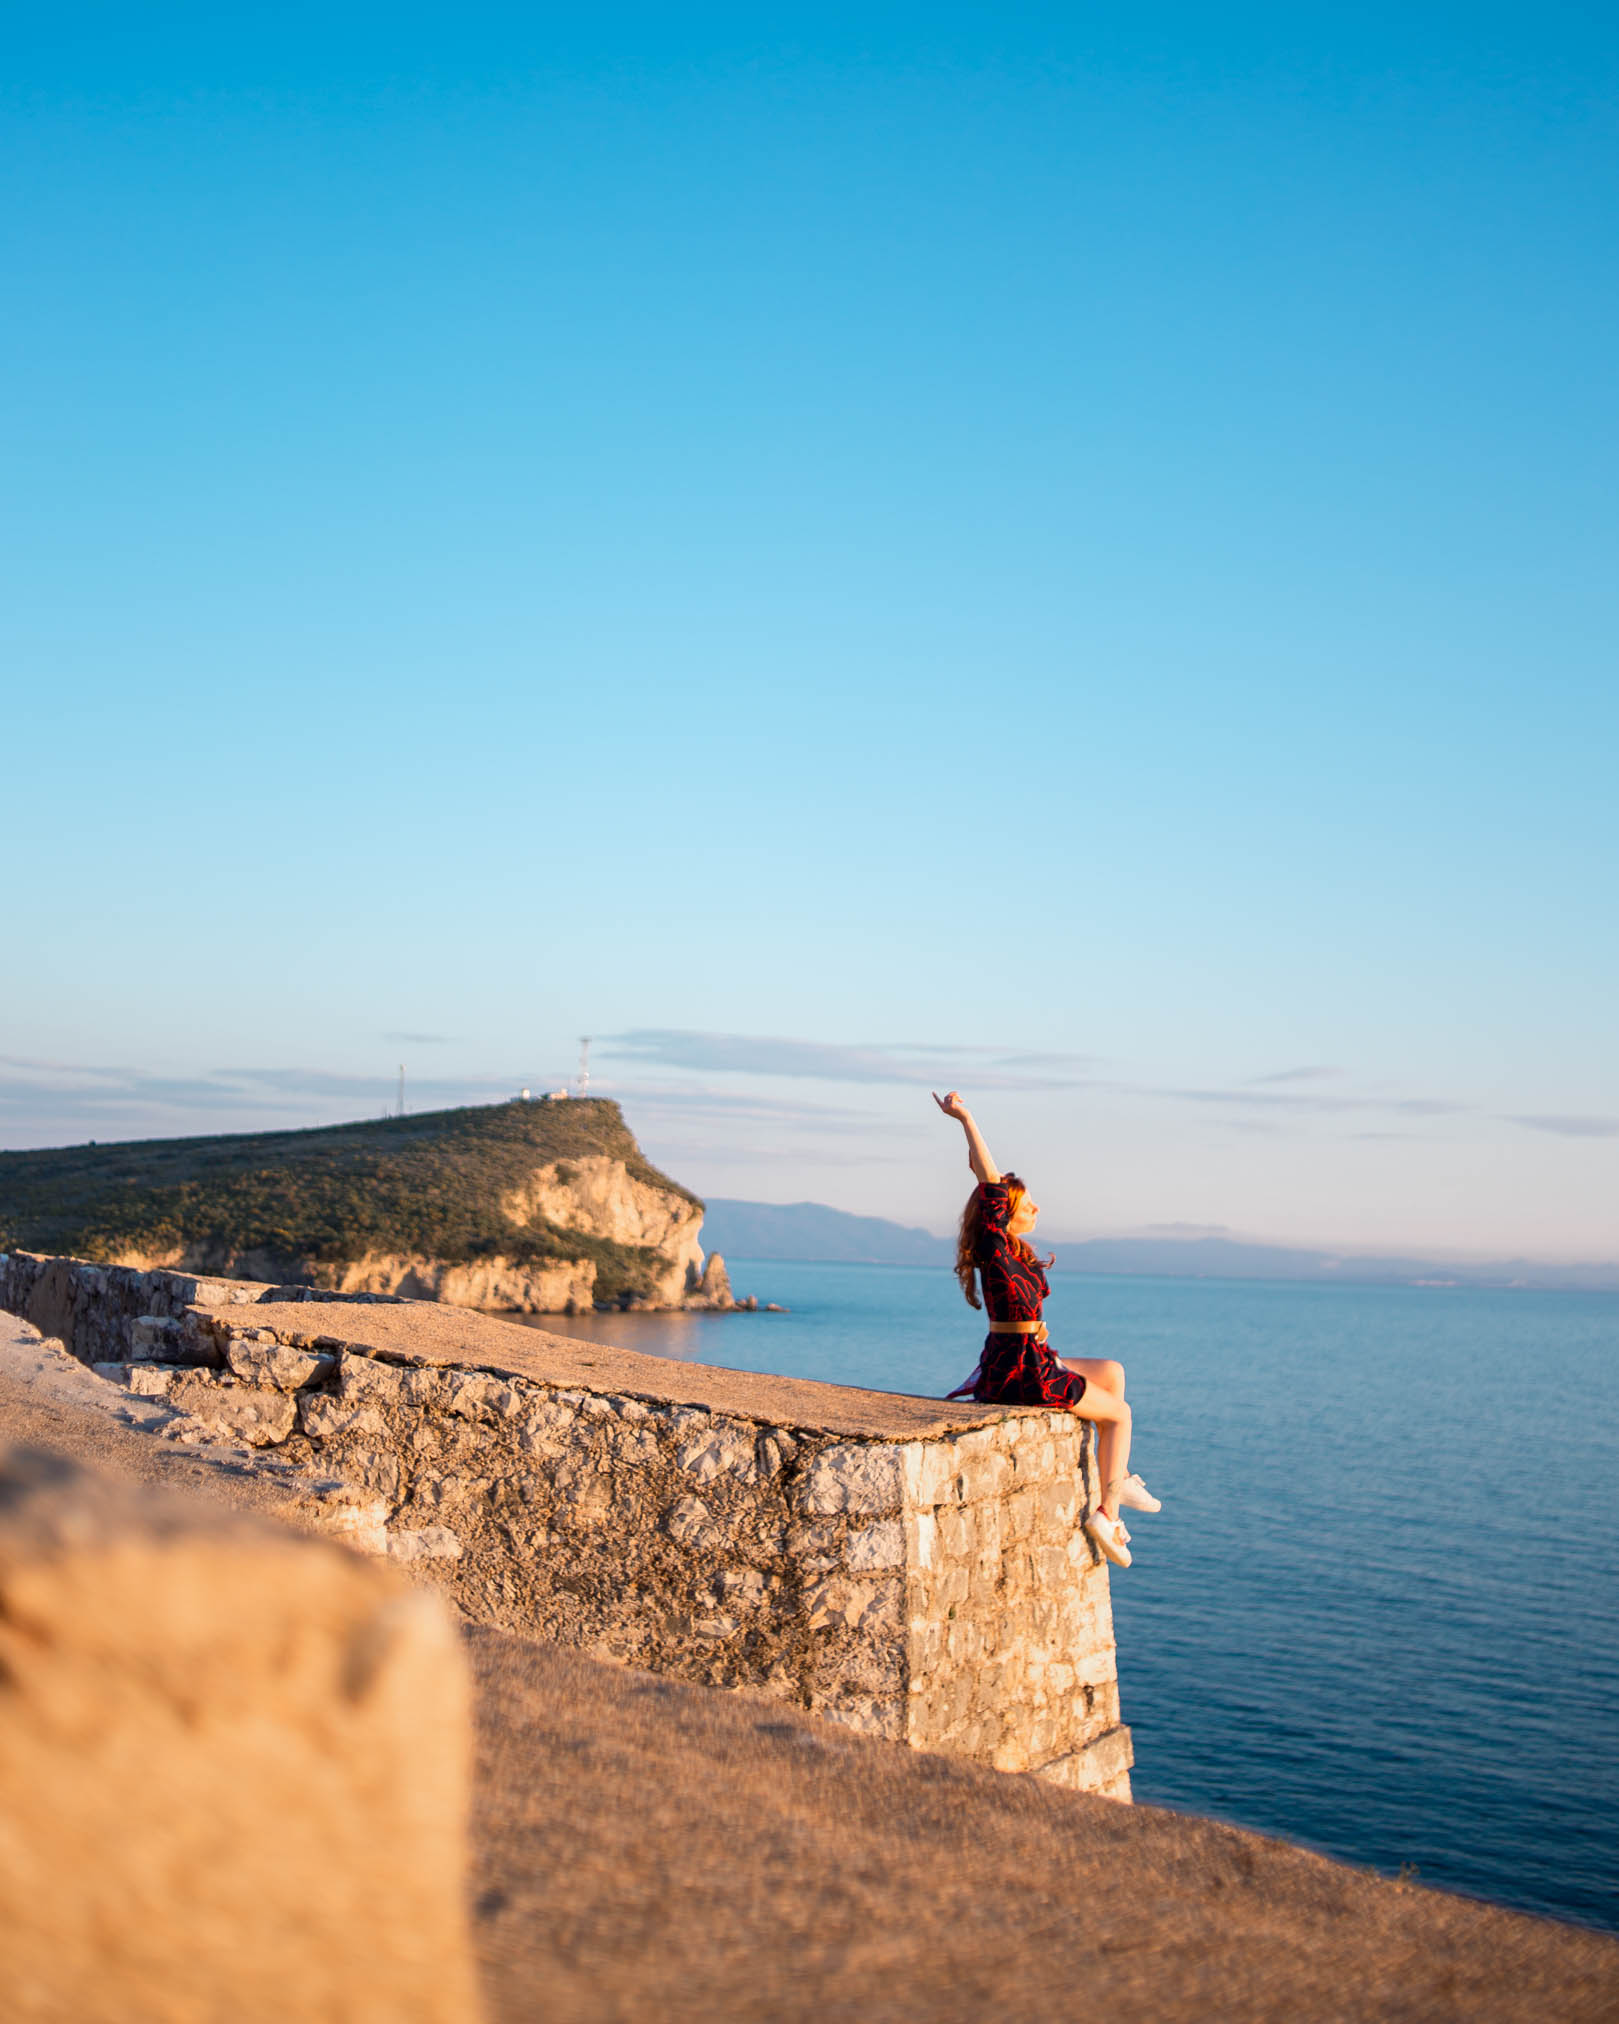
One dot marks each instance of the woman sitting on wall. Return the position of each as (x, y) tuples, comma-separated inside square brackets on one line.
[(1018, 1365)]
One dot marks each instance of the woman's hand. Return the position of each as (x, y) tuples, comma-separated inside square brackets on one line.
[(984, 1168)]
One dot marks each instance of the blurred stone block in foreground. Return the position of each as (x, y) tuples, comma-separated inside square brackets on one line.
[(233, 1769)]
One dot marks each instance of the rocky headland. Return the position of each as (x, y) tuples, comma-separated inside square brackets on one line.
[(543, 1207)]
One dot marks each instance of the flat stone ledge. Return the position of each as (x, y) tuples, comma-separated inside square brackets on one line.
[(423, 1333)]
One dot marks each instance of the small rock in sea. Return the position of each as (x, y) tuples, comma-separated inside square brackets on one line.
[(775, 1307), (713, 1289)]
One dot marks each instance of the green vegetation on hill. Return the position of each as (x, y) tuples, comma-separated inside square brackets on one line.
[(429, 1185)]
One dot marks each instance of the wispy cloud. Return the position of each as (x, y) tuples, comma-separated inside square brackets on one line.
[(1572, 1127), (417, 1039), (1276, 1096), (1279, 1100), (662, 1100), (43, 1100), (79, 1087), (912, 1065)]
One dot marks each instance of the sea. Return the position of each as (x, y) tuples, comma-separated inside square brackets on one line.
[(1379, 1612)]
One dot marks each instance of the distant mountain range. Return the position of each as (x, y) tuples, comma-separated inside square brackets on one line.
[(811, 1232)]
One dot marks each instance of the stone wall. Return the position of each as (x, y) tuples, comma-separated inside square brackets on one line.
[(110, 1313), (912, 1569)]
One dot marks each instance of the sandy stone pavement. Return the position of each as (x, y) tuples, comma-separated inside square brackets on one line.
[(651, 1850)]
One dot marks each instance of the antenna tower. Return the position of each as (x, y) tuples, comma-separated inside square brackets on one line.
[(584, 1065)]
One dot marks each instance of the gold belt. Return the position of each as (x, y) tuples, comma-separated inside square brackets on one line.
[(1017, 1328)]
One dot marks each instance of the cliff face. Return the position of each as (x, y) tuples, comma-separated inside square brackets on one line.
[(600, 1197), (539, 1207)]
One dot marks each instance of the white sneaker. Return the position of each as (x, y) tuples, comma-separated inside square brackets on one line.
[(1110, 1538), (1135, 1496)]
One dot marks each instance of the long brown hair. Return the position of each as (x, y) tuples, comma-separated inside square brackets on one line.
[(972, 1230)]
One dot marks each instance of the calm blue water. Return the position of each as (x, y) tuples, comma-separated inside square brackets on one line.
[(1380, 1611)]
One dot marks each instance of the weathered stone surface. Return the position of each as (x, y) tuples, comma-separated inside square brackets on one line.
[(426, 1542), (358, 1518), (718, 1450), (855, 1605), (1103, 1765), (260, 1361), (233, 1410), (155, 1338), (689, 1522), (152, 1380), (874, 1547), (853, 1477), (474, 1396), (235, 1763), (322, 1417)]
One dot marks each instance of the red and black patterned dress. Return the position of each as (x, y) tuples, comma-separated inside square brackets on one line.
[(1014, 1370)]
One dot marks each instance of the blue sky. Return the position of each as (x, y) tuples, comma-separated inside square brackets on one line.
[(1067, 552)]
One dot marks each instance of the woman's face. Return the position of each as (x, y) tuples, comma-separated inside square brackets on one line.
[(1022, 1219)]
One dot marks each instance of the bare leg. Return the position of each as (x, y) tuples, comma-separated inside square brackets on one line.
[(1104, 1403)]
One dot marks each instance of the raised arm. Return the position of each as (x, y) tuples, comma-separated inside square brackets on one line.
[(977, 1152)]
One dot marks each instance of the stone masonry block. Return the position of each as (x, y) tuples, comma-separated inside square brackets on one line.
[(869, 1714), (689, 1522), (323, 1418), (853, 1476), (423, 1390), (153, 1380), (547, 1425), (930, 1470), (636, 1447), (231, 1410), (840, 1602), (367, 1378), (984, 1475), (276, 1365), (718, 1450), (875, 1548), (155, 1338), (957, 1533), (475, 1396)]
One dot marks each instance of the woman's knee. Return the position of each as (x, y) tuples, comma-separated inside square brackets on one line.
[(1111, 1375), (1104, 1406)]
